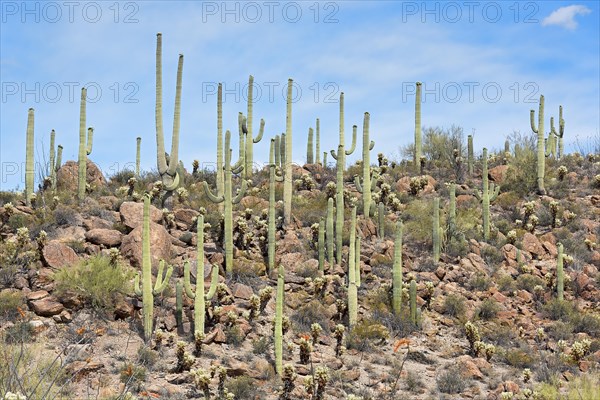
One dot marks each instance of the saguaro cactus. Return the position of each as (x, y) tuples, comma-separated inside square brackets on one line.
[(220, 171), (148, 292), (279, 321), (310, 158), (368, 181), (339, 204), (561, 131), (413, 301), (330, 232), (560, 277), (318, 147), (397, 271), (486, 196), (287, 183), (198, 295), (357, 260), (381, 220), (137, 156), (250, 139), (541, 148), (452, 207), (436, 230), (470, 156), (352, 288), (55, 160), (29, 166), (228, 201), (418, 145), (321, 245), (168, 171), (342, 140), (273, 177), (85, 148)]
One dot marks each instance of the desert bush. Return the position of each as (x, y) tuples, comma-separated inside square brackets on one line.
[(488, 309), (560, 330), (518, 358), (10, 302), (96, 281), (529, 282), (479, 281), (366, 334), (558, 309), (506, 284), (586, 322), (413, 381), (454, 305), (312, 312), (521, 177), (260, 345), (242, 387), (451, 381)]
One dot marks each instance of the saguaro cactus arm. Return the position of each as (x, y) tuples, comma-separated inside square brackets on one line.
[(162, 280), (29, 162)]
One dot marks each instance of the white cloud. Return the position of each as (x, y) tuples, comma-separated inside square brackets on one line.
[(565, 16)]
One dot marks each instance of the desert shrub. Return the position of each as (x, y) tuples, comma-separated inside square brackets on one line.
[(66, 216), (587, 323), (260, 345), (132, 375), (17, 221), (454, 305), (418, 223), (234, 335), (488, 309), (499, 335), (518, 358), (312, 312), (20, 332), (479, 281), (96, 281), (451, 381), (413, 381), (78, 246), (401, 325), (558, 309), (521, 177), (242, 387), (506, 284), (560, 330), (492, 256), (584, 386), (147, 357), (309, 210), (529, 282), (10, 302), (366, 334)]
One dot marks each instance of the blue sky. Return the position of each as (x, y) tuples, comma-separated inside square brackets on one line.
[(483, 66)]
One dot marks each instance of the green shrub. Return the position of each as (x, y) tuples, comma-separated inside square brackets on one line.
[(308, 314), (365, 334), (20, 332), (96, 281), (518, 358), (242, 387), (10, 302), (479, 281), (488, 309), (132, 375), (506, 284), (147, 357), (587, 323), (260, 346), (558, 310), (451, 381), (454, 305), (529, 282)]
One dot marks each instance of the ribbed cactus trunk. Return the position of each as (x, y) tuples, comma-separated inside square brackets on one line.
[(271, 213), (352, 288), (418, 145), (147, 292), (413, 301), (470, 155), (279, 321), (55, 160), (365, 187), (168, 171), (558, 136), (321, 245), (250, 139), (310, 158), (560, 277), (541, 148), (318, 144), (137, 156), (381, 220), (397, 271), (486, 196), (287, 183), (339, 204), (277, 152), (452, 207), (220, 171), (357, 260), (85, 148), (330, 231), (29, 163), (436, 229)]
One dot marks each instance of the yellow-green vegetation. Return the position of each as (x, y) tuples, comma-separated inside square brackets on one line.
[(10, 303), (580, 387), (97, 281)]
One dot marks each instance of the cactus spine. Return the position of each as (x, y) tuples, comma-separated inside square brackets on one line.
[(352, 288), (318, 147), (321, 245), (397, 271), (418, 146), (29, 166), (85, 149), (330, 232), (310, 158), (365, 188), (198, 295), (436, 230), (560, 277), (413, 301), (486, 196), (228, 201), (287, 183), (339, 204), (470, 157), (148, 292), (250, 139), (168, 171), (137, 156), (541, 148), (273, 177), (381, 220), (279, 321)]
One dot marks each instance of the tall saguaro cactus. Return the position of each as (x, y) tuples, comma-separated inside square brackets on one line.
[(287, 182), (486, 196), (273, 177), (367, 180), (168, 171), (250, 139), (55, 159), (137, 156), (561, 131), (352, 287), (85, 148), (198, 295), (560, 276), (436, 230), (339, 204), (310, 158), (228, 201), (452, 207), (345, 153), (279, 321), (418, 145), (318, 147), (541, 148), (220, 171), (29, 165), (470, 156), (321, 245), (397, 271), (330, 232), (148, 292)]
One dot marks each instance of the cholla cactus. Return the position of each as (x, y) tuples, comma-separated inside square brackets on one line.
[(14, 396), (562, 172), (182, 194), (201, 379), (315, 331), (526, 375), (306, 182), (338, 334), (489, 350), (184, 359), (265, 295), (472, 333), (554, 212), (507, 396), (528, 209), (254, 306), (511, 236), (580, 349), (305, 350), (321, 380), (42, 239), (540, 334), (22, 236), (596, 181), (288, 378)]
